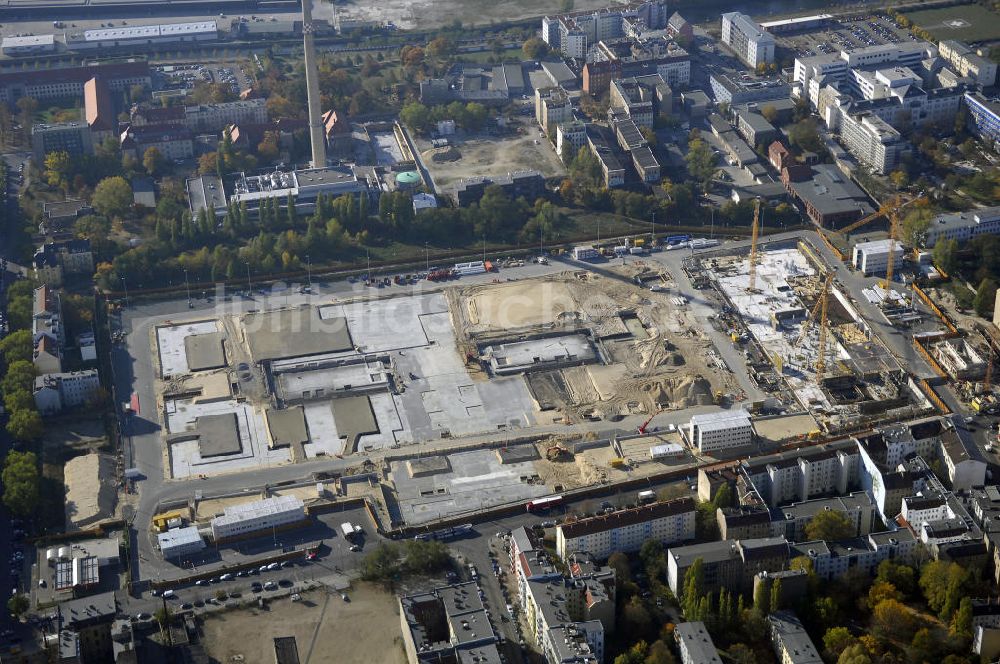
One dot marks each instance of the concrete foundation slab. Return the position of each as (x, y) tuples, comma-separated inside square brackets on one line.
[(286, 427), (354, 417), (205, 351), (294, 333), (171, 345), (218, 435), (425, 466)]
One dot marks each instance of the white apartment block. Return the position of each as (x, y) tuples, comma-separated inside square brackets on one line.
[(723, 430), (814, 72), (791, 643), (258, 515), (695, 645), (968, 63), (627, 530), (751, 43), (872, 258), (570, 137), (215, 117), (55, 392), (963, 226), (552, 107), (872, 141)]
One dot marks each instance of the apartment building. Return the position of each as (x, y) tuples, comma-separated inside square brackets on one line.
[(873, 141), (730, 564), (963, 226), (55, 260), (574, 34), (711, 432), (746, 89), (872, 258), (985, 115), (435, 626), (600, 145), (792, 520), (99, 109), (173, 142), (626, 530), (967, 62), (69, 81), (570, 137), (695, 645), (751, 43), (830, 198), (73, 138), (791, 643), (832, 560), (55, 392), (786, 477), (214, 117), (552, 107), (640, 99), (637, 56)]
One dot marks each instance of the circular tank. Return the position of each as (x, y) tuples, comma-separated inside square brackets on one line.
[(64, 552), (51, 554), (407, 179)]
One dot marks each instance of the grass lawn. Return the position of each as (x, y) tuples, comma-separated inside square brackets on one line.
[(969, 23)]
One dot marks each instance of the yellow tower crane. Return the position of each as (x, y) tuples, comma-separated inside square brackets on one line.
[(807, 324), (893, 230), (821, 346), (754, 232)]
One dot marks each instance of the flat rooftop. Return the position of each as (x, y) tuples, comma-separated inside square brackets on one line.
[(218, 435), (294, 333), (287, 426), (527, 354), (354, 418), (205, 351)]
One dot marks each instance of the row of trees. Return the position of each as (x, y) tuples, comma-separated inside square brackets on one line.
[(421, 118), (389, 561)]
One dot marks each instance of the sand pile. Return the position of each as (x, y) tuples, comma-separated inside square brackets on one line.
[(683, 392), (439, 155)]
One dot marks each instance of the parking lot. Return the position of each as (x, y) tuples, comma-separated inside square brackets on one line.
[(186, 76), (847, 34)]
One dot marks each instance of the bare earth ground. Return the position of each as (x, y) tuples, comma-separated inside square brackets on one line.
[(327, 630), (494, 155), (409, 14)]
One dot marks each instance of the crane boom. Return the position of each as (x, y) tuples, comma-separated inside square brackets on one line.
[(815, 311), (893, 226), (821, 346), (753, 245)]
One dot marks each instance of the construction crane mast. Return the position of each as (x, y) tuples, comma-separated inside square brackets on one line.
[(806, 326), (893, 229), (755, 231), (821, 346)]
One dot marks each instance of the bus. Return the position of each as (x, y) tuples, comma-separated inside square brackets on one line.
[(671, 240), (540, 505)]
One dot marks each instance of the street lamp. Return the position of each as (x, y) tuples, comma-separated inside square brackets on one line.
[(125, 285), (309, 271), (427, 257), (187, 287), (249, 285)]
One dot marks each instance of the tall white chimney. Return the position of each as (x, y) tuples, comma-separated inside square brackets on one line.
[(316, 133)]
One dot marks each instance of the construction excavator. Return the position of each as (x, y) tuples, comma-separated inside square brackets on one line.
[(645, 425)]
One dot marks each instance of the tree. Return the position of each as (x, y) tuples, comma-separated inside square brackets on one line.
[(416, 116), (635, 619), (740, 653), (830, 526), (112, 196), (382, 564), (18, 400), (660, 653), (694, 588), (20, 376), (985, 298), (20, 480), (700, 162), (25, 425), (208, 163), (856, 654), (164, 615), (943, 585), (268, 148), (425, 557), (882, 590), (58, 167), (893, 619), (805, 135), (837, 640), (535, 48), (945, 255), (441, 47), (18, 604), (634, 655), (618, 561), (770, 113), (902, 577), (153, 161), (899, 178), (27, 107), (961, 622), (16, 346), (915, 224)]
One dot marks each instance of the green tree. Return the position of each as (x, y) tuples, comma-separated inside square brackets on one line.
[(945, 255), (58, 167), (416, 116), (943, 585), (894, 620), (914, 226), (112, 196), (153, 161), (694, 588), (740, 653), (776, 595), (830, 526), (535, 48), (635, 619), (16, 346), (441, 47), (856, 654), (18, 400), (382, 564), (21, 481), (985, 298), (636, 654), (700, 162), (882, 590), (660, 653), (20, 376), (425, 557), (618, 561), (761, 600), (25, 425), (901, 576), (961, 622), (805, 135), (18, 604), (837, 640)]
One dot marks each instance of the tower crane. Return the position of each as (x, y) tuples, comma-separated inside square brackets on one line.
[(821, 346), (755, 231), (895, 203), (893, 230), (815, 310)]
